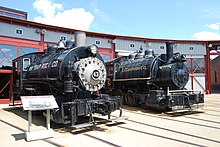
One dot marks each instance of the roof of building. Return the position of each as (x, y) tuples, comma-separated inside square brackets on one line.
[(33, 24), (13, 10)]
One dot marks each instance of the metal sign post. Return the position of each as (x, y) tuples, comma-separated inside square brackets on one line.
[(36, 103)]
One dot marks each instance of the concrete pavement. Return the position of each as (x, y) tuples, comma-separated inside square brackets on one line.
[(143, 128)]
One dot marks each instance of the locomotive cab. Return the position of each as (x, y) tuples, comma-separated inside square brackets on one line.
[(20, 68)]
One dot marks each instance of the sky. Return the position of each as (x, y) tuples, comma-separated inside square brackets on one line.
[(160, 19)]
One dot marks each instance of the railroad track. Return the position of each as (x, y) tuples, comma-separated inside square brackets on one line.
[(150, 124)]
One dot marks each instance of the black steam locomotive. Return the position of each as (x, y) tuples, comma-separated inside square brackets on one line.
[(73, 75), (153, 81)]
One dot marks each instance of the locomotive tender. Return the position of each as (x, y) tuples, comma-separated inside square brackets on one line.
[(152, 81), (73, 75)]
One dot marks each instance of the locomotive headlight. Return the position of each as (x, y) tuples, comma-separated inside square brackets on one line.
[(94, 49)]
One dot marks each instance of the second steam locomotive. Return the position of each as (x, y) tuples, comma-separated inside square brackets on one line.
[(153, 81), (73, 75)]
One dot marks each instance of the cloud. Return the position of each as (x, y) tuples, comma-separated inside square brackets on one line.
[(55, 14), (214, 26), (104, 20), (5, 50), (46, 7), (208, 35), (211, 13), (99, 13), (205, 35)]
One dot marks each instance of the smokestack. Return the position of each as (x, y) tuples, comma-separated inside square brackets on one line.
[(80, 38), (169, 49)]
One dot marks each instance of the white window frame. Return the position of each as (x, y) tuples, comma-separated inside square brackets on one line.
[(29, 62), (97, 41), (132, 45), (63, 39), (22, 31)]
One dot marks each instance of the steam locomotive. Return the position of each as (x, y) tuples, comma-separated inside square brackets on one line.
[(152, 81), (73, 75)]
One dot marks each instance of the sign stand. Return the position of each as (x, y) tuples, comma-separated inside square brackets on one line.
[(33, 103)]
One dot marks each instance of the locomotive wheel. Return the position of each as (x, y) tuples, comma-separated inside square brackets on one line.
[(120, 93), (129, 98)]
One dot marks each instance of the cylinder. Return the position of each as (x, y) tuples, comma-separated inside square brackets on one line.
[(80, 38)]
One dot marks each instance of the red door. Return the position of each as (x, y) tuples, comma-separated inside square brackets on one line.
[(106, 53), (196, 66), (11, 48)]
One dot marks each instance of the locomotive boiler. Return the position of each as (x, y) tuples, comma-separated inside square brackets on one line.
[(73, 75), (153, 81)]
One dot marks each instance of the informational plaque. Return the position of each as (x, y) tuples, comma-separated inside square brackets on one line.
[(42, 102), (34, 103)]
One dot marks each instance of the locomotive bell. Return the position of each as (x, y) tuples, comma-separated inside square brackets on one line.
[(61, 45)]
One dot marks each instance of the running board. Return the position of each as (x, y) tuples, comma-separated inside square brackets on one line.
[(15, 104), (84, 125), (118, 118)]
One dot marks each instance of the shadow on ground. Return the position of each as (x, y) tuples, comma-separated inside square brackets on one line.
[(39, 120), (159, 112)]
